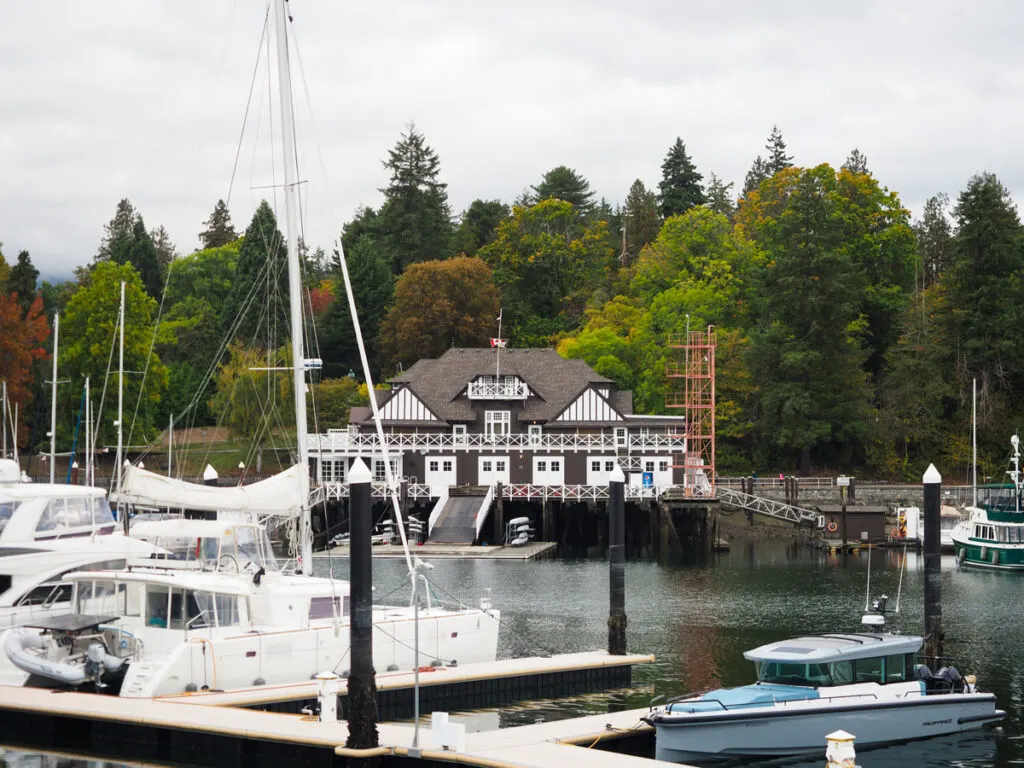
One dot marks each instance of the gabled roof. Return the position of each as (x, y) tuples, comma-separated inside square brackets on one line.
[(554, 381)]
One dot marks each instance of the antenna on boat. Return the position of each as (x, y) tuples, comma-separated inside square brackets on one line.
[(899, 589), (867, 591)]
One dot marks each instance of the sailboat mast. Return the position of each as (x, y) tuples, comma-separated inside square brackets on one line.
[(53, 399), (294, 280), (974, 442), (88, 435), (120, 399), (3, 405)]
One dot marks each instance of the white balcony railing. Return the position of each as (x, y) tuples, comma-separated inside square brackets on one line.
[(363, 444), (522, 491), (500, 390)]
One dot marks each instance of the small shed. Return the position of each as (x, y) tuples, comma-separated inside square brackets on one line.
[(865, 523)]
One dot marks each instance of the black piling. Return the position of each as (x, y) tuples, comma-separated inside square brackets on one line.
[(362, 685), (932, 564), (617, 565)]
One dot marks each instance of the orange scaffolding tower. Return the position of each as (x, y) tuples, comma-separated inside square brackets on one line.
[(697, 398)]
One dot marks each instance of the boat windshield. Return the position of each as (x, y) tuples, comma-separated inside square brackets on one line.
[(74, 512), (879, 669), (245, 544), (998, 498)]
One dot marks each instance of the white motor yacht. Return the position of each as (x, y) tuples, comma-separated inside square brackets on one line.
[(46, 531), (213, 611)]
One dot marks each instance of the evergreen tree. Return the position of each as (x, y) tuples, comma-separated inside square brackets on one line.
[(757, 174), (984, 284), (856, 162), (219, 229), (563, 183), (680, 185), (373, 286), (720, 197), (143, 256), (258, 302), (778, 160), (126, 241), (415, 218), (641, 221), (934, 239), (118, 234), (478, 225), (22, 280), (165, 249)]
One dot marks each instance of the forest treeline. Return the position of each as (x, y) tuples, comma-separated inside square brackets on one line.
[(848, 334)]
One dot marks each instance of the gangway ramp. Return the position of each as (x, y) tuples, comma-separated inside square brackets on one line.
[(457, 521), (762, 506)]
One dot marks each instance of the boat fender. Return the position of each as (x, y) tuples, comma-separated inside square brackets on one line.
[(995, 557), (984, 553), (961, 555)]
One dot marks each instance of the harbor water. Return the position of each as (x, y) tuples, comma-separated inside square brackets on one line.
[(698, 618)]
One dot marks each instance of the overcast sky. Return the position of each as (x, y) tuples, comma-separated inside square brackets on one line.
[(144, 99)]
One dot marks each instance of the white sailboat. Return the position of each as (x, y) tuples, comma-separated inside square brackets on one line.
[(217, 612)]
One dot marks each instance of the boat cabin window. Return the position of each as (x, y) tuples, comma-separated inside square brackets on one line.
[(881, 669), (48, 593), (6, 512), (247, 548), (157, 597), (189, 609), (74, 513), (328, 607), (5, 583)]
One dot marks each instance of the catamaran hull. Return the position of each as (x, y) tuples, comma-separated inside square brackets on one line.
[(774, 733)]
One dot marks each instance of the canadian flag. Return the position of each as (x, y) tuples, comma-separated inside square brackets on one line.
[(498, 342)]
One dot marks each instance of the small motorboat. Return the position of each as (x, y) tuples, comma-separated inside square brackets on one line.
[(868, 683)]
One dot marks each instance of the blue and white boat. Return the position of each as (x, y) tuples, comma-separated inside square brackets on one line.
[(807, 687)]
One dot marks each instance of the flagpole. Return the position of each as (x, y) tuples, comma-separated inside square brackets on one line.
[(497, 370)]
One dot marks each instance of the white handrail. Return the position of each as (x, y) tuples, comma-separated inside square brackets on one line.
[(436, 511), (485, 507)]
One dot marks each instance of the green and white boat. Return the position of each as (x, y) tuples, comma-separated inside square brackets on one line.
[(992, 536)]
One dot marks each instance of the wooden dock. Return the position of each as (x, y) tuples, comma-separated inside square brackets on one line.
[(534, 550), (220, 729), (468, 686)]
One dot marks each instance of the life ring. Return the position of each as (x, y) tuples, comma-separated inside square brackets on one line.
[(833, 526)]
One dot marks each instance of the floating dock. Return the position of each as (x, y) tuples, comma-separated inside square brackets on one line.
[(468, 686), (218, 729), (534, 550)]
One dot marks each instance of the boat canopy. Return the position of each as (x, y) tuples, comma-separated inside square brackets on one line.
[(31, 511), (231, 545), (276, 496), (817, 649)]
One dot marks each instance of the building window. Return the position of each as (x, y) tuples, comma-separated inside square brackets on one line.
[(542, 466), (620, 437), (556, 466), (487, 466), (595, 466), (379, 473), (447, 464), (609, 466), (648, 466), (459, 433), (496, 422), (534, 431), (663, 466), (333, 470), (499, 465), (432, 465)]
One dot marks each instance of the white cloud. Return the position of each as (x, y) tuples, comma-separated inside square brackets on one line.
[(144, 100)]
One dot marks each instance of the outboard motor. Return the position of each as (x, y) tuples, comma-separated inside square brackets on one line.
[(94, 656)]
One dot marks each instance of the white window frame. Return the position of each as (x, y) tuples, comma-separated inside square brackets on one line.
[(621, 437), (497, 423), (535, 433), (459, 434), (379, 475)]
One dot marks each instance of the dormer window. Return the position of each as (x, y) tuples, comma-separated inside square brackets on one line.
[(505, 387)]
